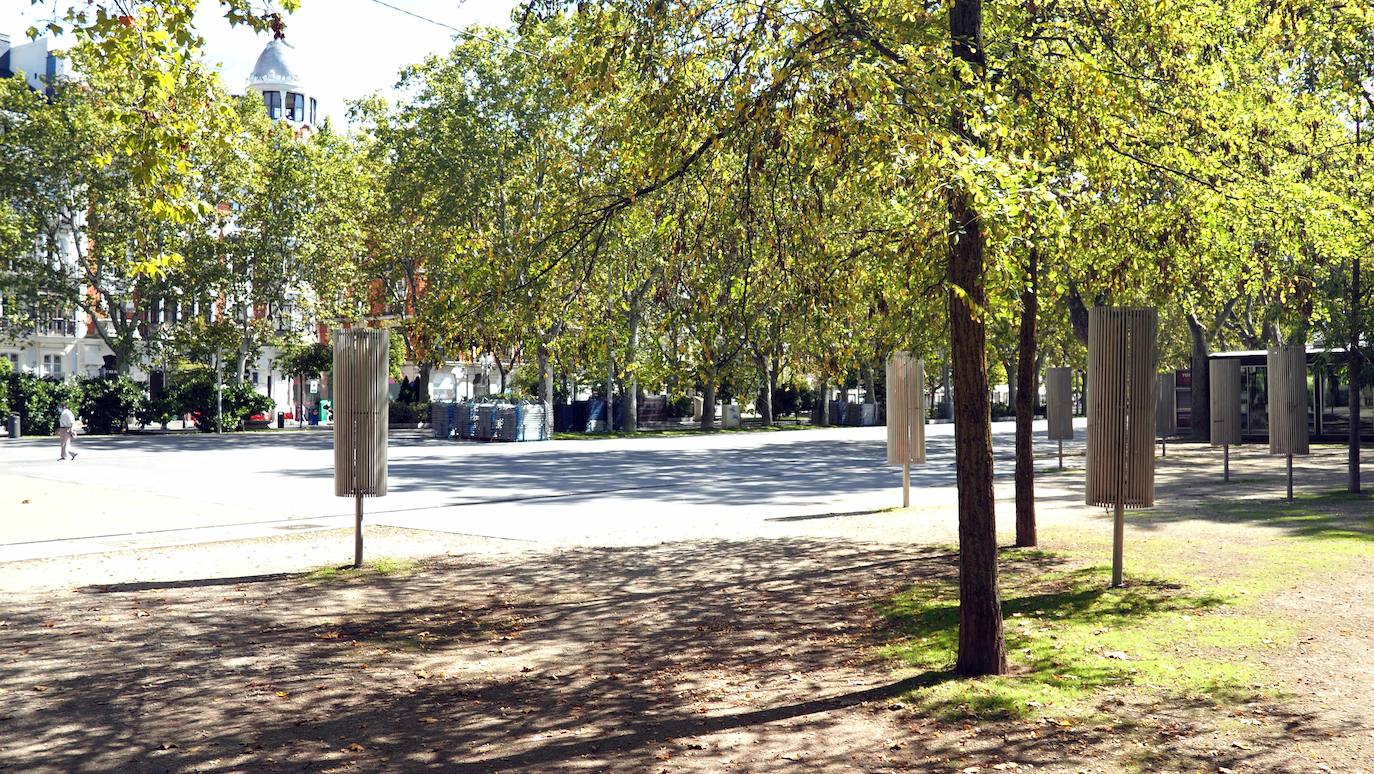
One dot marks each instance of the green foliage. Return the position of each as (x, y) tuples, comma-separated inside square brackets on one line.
[(157, 411), (193, 392), (107, 403), (6, 368), (408, 411), (307, 361), (35, 399)]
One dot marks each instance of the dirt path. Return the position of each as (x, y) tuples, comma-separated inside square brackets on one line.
[(759, 655)]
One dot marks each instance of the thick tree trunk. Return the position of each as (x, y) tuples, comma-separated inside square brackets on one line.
[(1026, 393), (824, 397), (766, 403), (870, 383), (546, 387), (630, 404), (982, 648), (708, 404), (772, 388), (1199, 394), (1355, 366), (1078, 313)]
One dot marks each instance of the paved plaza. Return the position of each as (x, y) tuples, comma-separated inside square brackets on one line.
[(140, 491)]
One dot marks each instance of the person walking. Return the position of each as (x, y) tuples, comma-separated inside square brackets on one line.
[(66, 430)]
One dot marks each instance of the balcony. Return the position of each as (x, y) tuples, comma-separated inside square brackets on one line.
[(55, 327)]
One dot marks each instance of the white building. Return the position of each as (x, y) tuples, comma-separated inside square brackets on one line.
[(63, 342), (284, 96)]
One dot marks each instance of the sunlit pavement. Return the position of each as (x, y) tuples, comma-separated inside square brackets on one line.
[(132, 491)]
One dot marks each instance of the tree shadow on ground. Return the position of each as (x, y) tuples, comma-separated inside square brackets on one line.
[(680, 656)]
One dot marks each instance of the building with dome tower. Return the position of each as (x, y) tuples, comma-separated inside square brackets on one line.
[(283, 93)]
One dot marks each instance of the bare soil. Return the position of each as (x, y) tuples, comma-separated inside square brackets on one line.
[(750, 655)]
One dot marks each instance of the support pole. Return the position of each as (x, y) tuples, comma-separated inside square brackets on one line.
[(1226, 462), (1290, 477), (1061, 455), (1118, 538), (358, 533), (906, 484)]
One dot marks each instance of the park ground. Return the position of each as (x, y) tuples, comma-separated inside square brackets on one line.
[(695, 604)]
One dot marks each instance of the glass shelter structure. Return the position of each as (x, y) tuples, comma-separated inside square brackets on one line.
[(1328, 396)]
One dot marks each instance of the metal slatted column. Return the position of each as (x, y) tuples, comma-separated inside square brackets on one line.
[(1224, 392), (1059, 407), (360, 420), (1121, 416), (906, 416), (1287, 381)]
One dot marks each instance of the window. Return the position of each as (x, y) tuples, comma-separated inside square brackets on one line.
[(313, 112), (13, 357), (52, 365), (273, 101), (295, 106)]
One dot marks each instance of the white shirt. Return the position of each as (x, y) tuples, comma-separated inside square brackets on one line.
[(65, 419)]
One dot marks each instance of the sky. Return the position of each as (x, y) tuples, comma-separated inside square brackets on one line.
[(344, 49)]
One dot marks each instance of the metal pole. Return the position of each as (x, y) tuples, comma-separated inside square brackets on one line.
[(906, 484), (1290, 477), (1118, 538), (1226, 462), (358, 532)]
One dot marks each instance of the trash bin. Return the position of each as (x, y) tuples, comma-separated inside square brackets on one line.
[(13, 426), (281, 420)]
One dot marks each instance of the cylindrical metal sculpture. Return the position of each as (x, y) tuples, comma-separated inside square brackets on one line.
[(906, 416), (1166, 407), (1287, 381), (1121, 415), (361, 356), (1224, 402), (1059, 406)]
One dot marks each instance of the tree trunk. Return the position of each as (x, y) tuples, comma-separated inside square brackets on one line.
[(1010, 368), (1078, 313), (947, 399), (708, 404), (824, 396), (421, 384), (1199, 394), (982, 648), (870, 384), (772, 387), (546, 387), (765, 405), (1026, 393), (631, 398), (1355, 367), (610, 388)]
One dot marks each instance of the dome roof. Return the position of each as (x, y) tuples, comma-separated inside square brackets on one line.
[(273, 65)]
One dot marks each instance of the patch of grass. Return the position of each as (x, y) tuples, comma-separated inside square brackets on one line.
[(1069, 636), (381, 566)]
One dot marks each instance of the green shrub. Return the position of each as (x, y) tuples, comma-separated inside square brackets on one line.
[(107, 403), (194, 393), (157, 411), (398, 412), (36, 399), (5, 369)]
